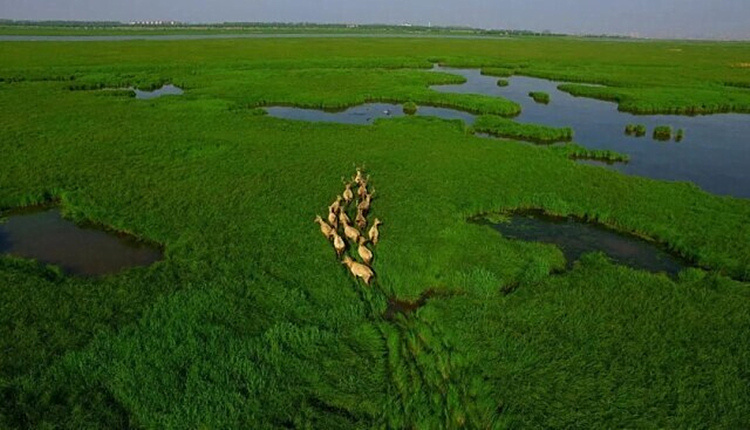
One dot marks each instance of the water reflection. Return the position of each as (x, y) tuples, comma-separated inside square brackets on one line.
[(575, 237), (714, 152), (364, 114), (166, 90), (43, 234)]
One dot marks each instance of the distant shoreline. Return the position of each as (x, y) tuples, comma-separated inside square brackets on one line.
[(122, 37)]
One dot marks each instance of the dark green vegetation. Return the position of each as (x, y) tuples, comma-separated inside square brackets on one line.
[(539, 97), (410, 108), (679, 135), (503, 127), (502, 83), (662, 132), (250, 322), (578, 152), (637, 130)]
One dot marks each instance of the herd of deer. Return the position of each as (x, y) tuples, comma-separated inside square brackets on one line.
[(339, 221)]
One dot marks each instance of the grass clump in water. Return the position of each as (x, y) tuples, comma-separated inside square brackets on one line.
[(539, 97), (410, 108), (575, 151), (502, 83), (503, 127), (637, 130), (663, 132), (679, 135)]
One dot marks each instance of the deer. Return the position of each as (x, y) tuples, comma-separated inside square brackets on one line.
[(326, 229), (348, 194), (362, 191), (374, 233), (364, 253), (364, 204), (350, 232), (359, 179), (344, 218), (338, 244), (336, 205), (361, 220), (359, 270), (333, 219)]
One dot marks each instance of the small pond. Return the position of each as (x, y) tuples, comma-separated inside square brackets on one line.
[(364, 114), (166, 90), (575, 237), (44, 235), (714, 154)]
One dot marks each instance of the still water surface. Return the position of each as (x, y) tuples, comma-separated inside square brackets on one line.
[(714, 154), (576, 237), (44, 235)]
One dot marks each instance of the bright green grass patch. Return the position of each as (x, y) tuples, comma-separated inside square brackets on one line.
[(637, 130), (341, 88), (578, 152), (503, 127), (410, 108), (667, 100), (662, 132), (539, 97)]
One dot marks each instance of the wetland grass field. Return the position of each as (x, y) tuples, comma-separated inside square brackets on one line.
[(248, 320)]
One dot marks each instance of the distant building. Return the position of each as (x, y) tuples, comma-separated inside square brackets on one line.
[(157, 22)]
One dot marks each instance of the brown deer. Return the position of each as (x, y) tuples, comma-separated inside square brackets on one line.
[(338, 244), (350, 232), (374, 233), (361, 220), (364, 253), (348, 194), (359, 270), (326, 229)]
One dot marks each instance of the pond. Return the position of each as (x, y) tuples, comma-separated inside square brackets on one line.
[(364, 114), (166, 90), (44, 235), (575, 237), (714, 153)]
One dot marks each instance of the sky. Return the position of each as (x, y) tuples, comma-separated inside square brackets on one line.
[(705, 19)]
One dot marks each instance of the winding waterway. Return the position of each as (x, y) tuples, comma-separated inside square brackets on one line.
[(714, 154)]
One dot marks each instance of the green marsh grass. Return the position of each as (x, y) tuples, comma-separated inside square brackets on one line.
[(662, 132), (637, 130), (578, 152), (410, 108), (503, 127), (539, 97), (250, 322), (679, 135)]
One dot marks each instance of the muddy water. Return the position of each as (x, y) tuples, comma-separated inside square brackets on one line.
[(714, 154), (575, 237), (43, 235)]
